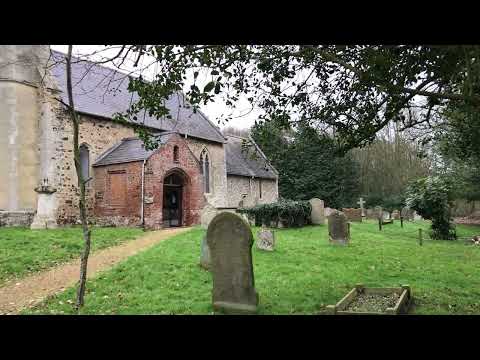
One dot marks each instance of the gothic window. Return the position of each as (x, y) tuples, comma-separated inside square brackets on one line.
[(205, 169), (175, 154), (85, 161), (260, 188)]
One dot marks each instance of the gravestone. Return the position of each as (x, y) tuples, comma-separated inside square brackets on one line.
[(230, 241), (378, 210), (338, 228), (265, 239), (207, 214), (416, 216), (329, 211), (396, 215), (407, 213), (361, 202), (205, 254), (386, 215), (370, 214), (318, 211), (353, 214)]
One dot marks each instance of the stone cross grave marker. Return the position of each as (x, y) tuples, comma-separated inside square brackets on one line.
[(361, 202), (338, 228), (265, 239), (230, 241)]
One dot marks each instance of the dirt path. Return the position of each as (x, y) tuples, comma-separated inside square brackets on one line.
[(33, 289)]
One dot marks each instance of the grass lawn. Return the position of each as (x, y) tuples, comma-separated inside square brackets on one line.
[(302, 276), (23, 251)]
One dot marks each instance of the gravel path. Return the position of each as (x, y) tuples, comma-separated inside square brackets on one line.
[(19, 294)]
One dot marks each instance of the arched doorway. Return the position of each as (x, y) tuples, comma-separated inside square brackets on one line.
[(172, 200)]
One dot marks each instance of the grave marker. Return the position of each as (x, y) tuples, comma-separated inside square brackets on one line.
[(230, 241)]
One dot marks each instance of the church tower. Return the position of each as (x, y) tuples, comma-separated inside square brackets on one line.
[(26, 133)]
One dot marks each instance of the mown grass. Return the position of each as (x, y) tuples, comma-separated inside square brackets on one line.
[(302, 276), (23, 251)]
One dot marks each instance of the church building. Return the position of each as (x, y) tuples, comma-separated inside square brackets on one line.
[(128, 185)]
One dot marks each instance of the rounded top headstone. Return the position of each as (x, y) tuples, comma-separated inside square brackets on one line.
[(229, 225)]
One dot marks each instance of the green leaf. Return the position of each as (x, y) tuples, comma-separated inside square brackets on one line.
[(209, 87)]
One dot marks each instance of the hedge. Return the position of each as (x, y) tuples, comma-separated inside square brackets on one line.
[(289, 212)]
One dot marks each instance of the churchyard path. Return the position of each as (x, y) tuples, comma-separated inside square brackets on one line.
[(29, 291)]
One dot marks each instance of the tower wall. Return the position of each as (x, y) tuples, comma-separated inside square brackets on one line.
[(23, 131)]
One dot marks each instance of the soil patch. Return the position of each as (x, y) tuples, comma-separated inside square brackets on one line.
[(373, 302)]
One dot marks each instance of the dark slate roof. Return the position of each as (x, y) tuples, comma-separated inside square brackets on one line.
[(128, 150), (243, 162), (240, 162), (101, 91)]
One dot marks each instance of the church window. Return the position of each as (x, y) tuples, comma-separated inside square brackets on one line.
[(205, 169), (175, 154), (85, 162), (260, 188)]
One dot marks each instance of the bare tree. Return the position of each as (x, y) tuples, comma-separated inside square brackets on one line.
[(81, 184)]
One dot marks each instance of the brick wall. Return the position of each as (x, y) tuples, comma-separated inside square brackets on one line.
[(159, 166), (118, 188), (118, 194)]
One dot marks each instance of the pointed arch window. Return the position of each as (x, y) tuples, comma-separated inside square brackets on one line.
[(85, 161), (205, 169), (175, 154)]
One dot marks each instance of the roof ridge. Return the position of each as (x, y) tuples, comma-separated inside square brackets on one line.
[(238, 137)]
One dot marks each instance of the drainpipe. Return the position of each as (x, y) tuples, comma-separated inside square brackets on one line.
[(142, 219)]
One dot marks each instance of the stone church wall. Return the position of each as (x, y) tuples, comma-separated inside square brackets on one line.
[(218, 172), (240, 185), (99, 135), (19, 157)]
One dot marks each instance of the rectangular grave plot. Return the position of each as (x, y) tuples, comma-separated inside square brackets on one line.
[(401, 306)]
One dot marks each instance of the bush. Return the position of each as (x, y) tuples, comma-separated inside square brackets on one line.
[(431, 197), (290, 213)]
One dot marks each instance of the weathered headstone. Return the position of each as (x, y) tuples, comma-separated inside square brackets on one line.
[(416, 216), (207, 214), (230, 241), (353, 214), (318, 211), (396, 215), (329, 211), (361, 202), (265, 239), (378, 212), (205, 254), (338, 229), (407, 213), (385, 215), (371, 214)]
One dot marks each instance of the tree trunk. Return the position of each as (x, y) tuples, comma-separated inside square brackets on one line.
[(81, 185)]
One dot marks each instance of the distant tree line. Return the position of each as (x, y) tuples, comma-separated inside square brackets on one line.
[(310, 166)]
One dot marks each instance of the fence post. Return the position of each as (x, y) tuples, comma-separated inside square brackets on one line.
[(380, 224), (401, 221), (420, 239)]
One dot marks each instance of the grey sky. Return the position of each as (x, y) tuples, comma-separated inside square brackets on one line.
[(212, 110)]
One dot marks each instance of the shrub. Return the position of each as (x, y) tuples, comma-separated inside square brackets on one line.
[(290, 213), (431, 197)]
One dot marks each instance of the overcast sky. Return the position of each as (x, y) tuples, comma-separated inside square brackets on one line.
[(212, 110)]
